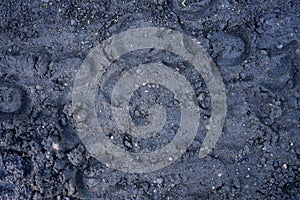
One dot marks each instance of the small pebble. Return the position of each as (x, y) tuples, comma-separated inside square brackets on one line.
[(159, 180), (73, 22), (55, 146), (297, 51), (284, 166), (38, 87)]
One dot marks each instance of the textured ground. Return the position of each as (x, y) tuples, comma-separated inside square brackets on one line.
[(255, 44)]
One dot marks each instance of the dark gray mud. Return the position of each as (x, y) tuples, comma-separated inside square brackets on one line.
[(256, 46)]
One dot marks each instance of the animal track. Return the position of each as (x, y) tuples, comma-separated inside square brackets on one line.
[(14, 100), (192, 9)]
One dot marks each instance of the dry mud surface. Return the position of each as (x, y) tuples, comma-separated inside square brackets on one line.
[(256, 46)]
